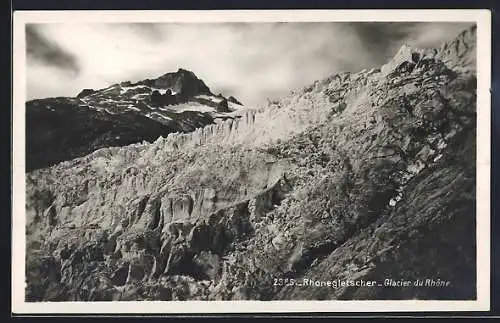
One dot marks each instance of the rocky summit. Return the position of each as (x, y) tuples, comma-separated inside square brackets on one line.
[(360, 177)]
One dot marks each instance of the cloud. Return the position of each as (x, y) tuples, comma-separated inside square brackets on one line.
[(41, 49), (251, 61), (383, 39)]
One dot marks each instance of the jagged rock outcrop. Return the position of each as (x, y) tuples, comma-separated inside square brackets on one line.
[(367, 175), (223, 106), (85, 92), (234, 100)]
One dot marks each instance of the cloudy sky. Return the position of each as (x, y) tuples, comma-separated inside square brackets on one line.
[(252, 61)]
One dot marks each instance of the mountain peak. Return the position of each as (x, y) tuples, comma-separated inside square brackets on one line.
[(406, 53), (184, 71), (459, 53), (182, 81)]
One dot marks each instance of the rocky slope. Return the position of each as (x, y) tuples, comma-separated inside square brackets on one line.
[(367, 175), (60, 129)]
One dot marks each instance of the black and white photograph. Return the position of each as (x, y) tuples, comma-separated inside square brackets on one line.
[(242, 159)]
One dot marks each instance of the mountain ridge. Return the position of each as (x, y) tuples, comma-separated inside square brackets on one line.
[(121, 114)]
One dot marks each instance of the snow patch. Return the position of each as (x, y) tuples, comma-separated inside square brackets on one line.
[(150, 115), (109, 88), (189, 107), (212, 98), (438, 157), (131, 107), (442, 144), (95, 108), (138, 96), (125, 89), (416, 168)]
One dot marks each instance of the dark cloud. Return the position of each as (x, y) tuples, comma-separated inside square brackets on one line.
[(380, 38), (383, 39), (41, 49)]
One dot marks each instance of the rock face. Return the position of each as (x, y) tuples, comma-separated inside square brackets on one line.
[(60, 129), (234, 100), (85, 92), (367, 175)]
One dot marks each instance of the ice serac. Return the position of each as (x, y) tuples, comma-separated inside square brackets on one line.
[(364, 175), (229, 131)]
